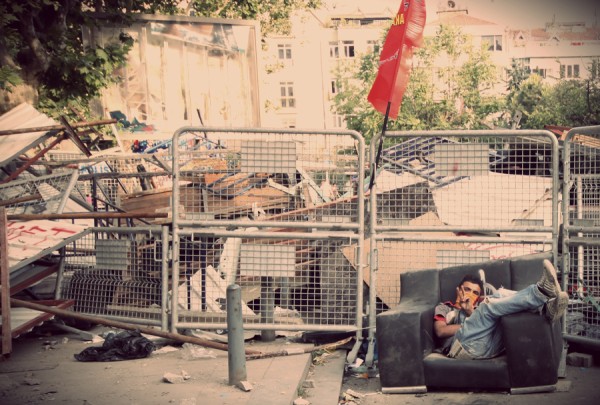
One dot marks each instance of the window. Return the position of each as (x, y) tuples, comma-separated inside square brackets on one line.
[(569, 71), (372, 46), (288, 123), (348, 49), (492, 42), (287, 95), (540, 72), (284, 51), (334, 50), (335, 86), (338, 121)]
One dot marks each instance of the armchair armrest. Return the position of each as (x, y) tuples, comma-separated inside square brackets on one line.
[(404, 337), (533, 349)]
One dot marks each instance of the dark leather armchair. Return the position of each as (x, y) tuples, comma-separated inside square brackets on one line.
[(406, 343)]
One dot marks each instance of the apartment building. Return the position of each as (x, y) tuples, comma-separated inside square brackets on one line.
[(299, 83), (298, 86), (560, 50)]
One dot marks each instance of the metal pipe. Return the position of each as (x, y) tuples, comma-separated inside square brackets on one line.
[(267, 308), (235, 336), (580, 252)]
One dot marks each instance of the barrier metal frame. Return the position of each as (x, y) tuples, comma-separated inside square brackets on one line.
[(573, 232), (352, 230), (536, 235)]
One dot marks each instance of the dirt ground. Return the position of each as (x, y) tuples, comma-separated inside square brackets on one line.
[(42, 369)]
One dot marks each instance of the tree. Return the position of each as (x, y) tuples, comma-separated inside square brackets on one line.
[(43, 59), (569, 103), (448, 88), (273, 15)]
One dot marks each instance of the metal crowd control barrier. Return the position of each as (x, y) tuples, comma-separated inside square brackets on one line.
[(279, 213), (446, 198), (119, 273), (581, 234)]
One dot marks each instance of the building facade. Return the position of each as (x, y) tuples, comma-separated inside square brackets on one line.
[(299, 83)]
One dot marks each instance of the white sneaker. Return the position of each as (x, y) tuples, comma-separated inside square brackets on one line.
[(548, 283), (555, 307)]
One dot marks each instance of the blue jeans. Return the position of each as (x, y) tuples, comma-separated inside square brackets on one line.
[(479, 335)]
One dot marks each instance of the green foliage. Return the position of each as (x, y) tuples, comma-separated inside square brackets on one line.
[(517, 74), (449, 97), (9, 77), (273, 15), (41, 44), (568, 103)]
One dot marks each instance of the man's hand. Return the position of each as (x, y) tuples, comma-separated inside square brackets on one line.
[(465, 301)]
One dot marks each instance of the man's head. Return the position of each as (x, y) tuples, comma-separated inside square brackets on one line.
[(471, 287)]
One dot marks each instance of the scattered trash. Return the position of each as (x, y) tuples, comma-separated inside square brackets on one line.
[(166, 349), (31, 381), (350, 397), (195, 352), (125, 345), (176, 378), (244, 386)]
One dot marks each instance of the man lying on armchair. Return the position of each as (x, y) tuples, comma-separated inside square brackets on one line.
[(469, 328)]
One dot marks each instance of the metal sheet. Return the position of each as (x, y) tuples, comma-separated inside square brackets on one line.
[(22, 116), (29, 241)]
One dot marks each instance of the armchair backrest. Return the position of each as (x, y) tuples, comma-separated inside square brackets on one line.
[(433, 286), (497, 273), (420, 287)]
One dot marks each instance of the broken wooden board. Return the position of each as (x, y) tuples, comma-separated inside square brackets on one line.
[(192, 201), (396, 257)]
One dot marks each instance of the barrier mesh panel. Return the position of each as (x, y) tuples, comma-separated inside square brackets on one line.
[(293, 177), (37, 195), (291, 283), (115, 274), (582, 170), (448, 199)]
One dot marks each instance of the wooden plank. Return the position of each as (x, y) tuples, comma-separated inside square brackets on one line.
[(397, 257), (27, 319), (5, 285), (87, 215), (20, 200), (55, 127)]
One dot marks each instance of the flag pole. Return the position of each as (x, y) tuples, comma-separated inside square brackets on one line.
[(380, 146)]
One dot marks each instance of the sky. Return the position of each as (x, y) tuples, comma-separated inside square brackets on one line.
[(513, 13)]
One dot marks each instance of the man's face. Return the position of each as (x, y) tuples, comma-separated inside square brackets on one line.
[(469, 291)]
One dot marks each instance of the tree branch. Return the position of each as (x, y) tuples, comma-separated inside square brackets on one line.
[(39, 60)]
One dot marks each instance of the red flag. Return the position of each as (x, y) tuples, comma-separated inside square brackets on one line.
[(405, 33)]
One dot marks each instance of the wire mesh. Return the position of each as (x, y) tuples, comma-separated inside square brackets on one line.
[(38, 195), (297, 284), (116, 273), (396, 256), (496, 181), (260, 175), (449, 198), (582, 231), (119, 179)]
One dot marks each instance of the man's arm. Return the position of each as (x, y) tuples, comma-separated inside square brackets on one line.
[(443, 330)]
